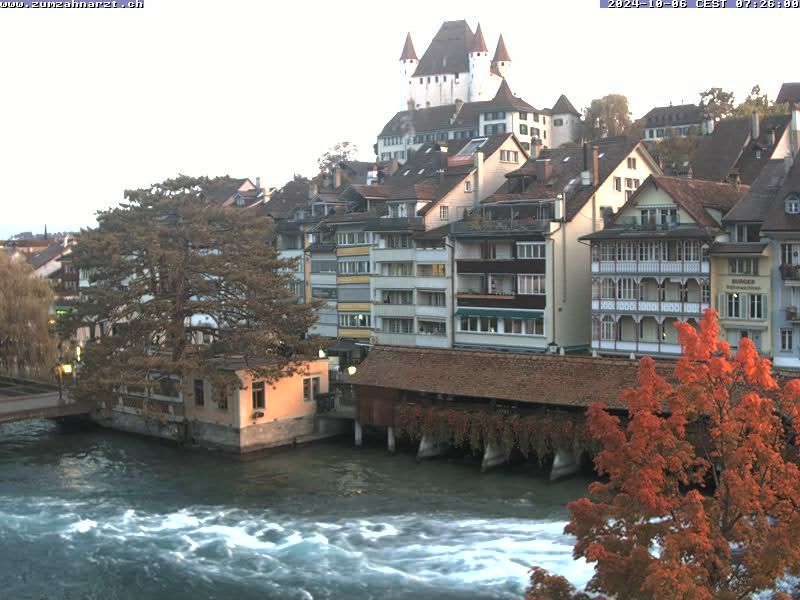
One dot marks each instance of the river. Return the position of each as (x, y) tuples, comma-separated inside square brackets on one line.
[(94, 514)]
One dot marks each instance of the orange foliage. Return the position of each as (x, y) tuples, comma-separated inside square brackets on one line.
[(700, 497)]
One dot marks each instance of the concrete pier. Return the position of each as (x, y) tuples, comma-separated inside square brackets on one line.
[(390, 441), (565, 464), (429, 448), (357, 428), (493, 456)]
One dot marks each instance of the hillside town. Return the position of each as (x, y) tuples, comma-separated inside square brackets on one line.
[(494, 269)]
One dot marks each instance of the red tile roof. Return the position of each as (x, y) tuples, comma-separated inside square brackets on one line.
[(501, 54), (408, 50), (478, 43)]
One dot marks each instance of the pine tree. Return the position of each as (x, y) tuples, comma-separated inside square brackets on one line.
[(180, 285)]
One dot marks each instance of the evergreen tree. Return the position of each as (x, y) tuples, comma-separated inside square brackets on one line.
[(179, 285)]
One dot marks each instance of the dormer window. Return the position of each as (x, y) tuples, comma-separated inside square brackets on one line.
[(420, 172), (792, 204)]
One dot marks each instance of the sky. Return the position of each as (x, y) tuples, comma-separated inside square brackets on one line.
[(93, 102)]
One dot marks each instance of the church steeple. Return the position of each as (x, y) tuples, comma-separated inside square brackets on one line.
[(478, 43), (408, 50)]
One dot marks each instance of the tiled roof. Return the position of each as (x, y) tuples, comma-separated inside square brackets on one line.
[(730, 149), (532, 378), (666, 116), (501, 53), (448, 51), (790, 92), (564, 107), (777, 219), (449, 117), (695, 196), (567, 164), (222, 188), (736, 248), (408, 50), (754, 204), (45, 256), (285, 201)]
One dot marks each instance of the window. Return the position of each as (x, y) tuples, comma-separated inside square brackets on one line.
[(311, 387), (497, 129), (756, 307), (618, 184), (628, 194), (432, 328), (524, 326), (705, 292), (792, 204), (535, 132), (323, 266), (354, 267), (433, 270), (628, 183), (789, 254), (432, 298), (444, 212), (257, 392), (748, 232), (352, 238), (356, 321), (626, 251), (608, 289), (523, 116), (743, 266), (467, 188), (786, 340), (479, 324), (398, 325), (631, 163), (324, 293), (222, 398), (732, 302), (398, 210), (523, 129), (558, 122), (397, 269), (607, 328), (529, 250), (397, 296), (530, 284), (199, 392), (398, 240)]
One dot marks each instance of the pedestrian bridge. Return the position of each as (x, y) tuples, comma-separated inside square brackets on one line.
[(22, 400)]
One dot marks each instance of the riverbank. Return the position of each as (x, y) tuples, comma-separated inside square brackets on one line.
[(98, 514)]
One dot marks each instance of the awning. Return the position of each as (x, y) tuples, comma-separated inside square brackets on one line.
[(343, 346), (500, 313)]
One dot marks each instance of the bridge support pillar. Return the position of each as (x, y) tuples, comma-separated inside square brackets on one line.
[(390, 441), (565, 464), (357, 428), (429, 448), (493, 456)]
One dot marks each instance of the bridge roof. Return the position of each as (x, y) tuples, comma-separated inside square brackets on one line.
[(523, 377)]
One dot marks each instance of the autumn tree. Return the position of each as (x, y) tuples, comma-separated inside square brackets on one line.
[(27, 345), (701, 492), (717, 102), (179, 283), (608, 116)]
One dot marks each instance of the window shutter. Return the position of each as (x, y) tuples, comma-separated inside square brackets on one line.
[(722, 307)]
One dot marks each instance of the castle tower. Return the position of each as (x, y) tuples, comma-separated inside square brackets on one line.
[(479, 68), (501, 63), (408, 64)]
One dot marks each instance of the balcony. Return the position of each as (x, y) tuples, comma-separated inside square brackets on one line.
[(504, 300), (635, 266), (396, 224), (503, 227), (793, 314), (393, 254), (642, 346), (428, 310), (650, 306), (790, 272), (384, 309), (500, 265)]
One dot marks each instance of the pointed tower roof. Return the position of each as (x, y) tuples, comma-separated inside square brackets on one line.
[(564, 107), (408, 50), (478, 43), (505, 98), (501, 54)]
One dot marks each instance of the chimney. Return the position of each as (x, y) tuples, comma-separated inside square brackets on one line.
[(595, 166), (708, 124), (478, 187), (337, 177), (586, 173), (771, 137), (755, 125), (258, 183), (543, 169), (313, 188), (409, 155), (440, 161), (536, 147)]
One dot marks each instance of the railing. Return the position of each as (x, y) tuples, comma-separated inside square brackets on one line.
[(650, 266), (389, 223), (792, 313), (790, 272), (475, 227), (649, 306)]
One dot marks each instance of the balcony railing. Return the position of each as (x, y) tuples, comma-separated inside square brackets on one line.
[(790, 272), (478, 227), (395, 223), (650, 266), (650, 306)]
